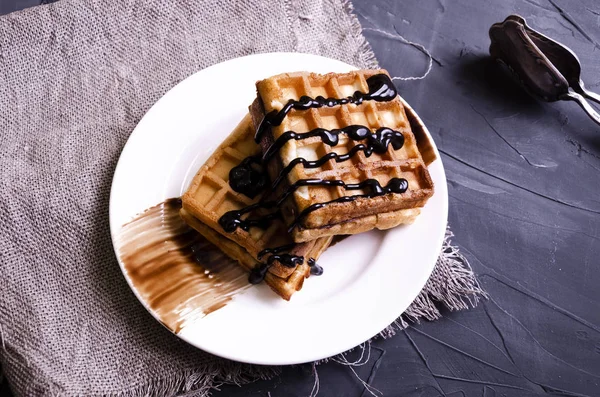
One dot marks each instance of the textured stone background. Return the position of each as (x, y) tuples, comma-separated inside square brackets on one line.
[(524, 185)]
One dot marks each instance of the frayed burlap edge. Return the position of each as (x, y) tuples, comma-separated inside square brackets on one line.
[(198, 381), (366, 52), (452, 285)]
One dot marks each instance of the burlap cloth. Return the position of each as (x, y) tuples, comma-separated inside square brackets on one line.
[(75, 78)]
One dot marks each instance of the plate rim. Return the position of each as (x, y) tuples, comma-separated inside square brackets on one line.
[(115, 228)]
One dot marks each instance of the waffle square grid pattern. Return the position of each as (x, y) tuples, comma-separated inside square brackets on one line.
[(335, 147), (210, 196), (406, 162)]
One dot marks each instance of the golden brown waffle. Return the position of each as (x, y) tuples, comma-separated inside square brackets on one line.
[(210, 196), (283, 286), (347, 217)]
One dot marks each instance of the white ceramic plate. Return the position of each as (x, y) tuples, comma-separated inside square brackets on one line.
[(369, 279)]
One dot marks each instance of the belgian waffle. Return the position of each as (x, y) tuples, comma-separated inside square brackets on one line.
[(385, 167), (283, 286), (210, 196)]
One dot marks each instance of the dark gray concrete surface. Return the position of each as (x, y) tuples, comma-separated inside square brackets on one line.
[(524, 184)]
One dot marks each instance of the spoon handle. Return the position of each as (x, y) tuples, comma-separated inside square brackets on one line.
[(585, 105), (590, 94)]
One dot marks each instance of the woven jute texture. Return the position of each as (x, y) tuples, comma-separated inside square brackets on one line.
[(75, 78)]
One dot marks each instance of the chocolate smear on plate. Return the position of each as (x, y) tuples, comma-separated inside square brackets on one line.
[(179, 274)]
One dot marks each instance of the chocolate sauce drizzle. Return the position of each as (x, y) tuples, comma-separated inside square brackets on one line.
[(381, 89), (315, 269), (245, 178), (250, 176), (377, 142), (231, 220), (395, 185), (258, 273)]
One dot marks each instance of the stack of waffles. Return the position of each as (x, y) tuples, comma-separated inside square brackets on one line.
[(318, 156)]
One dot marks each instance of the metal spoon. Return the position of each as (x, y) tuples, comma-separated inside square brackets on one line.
[(561, 56), (512, 45)]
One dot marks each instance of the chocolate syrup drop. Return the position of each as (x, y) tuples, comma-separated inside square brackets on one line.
[(258, 273), (246, 179), (315, 269)]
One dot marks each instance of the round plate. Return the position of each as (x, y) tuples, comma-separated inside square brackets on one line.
[(369, 279)]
